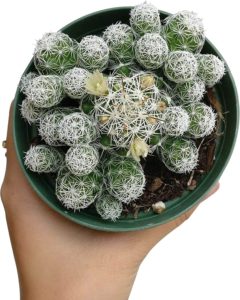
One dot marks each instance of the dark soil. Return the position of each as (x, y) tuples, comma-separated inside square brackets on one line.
[(164, 185)]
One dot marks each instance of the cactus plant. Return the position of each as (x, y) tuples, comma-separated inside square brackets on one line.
[(202, 119), (184, 31), (145, 18), (56, 53), (78, 192), (148, 104), (181, 66), (81, 159), (120, 40), (43, 159), (108, 207), (76, 128), (74, 82), (151, 51), (191, 91), (210, 69), (178, 154), (49, 125), (93, 53), (45, 91), (31, 113), (125, 179), (175, 121)]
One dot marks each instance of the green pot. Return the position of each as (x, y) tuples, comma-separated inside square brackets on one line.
[(44, 184)]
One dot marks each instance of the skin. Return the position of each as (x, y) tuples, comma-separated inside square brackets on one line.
[(57, 259)]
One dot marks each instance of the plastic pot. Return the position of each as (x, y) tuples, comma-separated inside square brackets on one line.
[(44, 184)]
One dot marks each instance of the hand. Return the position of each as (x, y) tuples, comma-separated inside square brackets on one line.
[(58, 259)]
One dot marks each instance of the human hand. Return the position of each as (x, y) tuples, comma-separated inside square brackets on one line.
[(58, 259)]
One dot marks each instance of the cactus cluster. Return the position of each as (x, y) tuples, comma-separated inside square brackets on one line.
[(104, 103)]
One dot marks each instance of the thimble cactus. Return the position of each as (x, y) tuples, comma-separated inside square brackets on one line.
[(43, 159), (151, 51), (191, 91), (120, 40), (108, 207), (201, 119), (76, 128), (45, 91), (210, 69), (145, 18), (78, 192), (49, 125), (175, 121), (93, 53), (178, 154), (81, 159), (26, 80), (125, 179), (31, 113), (55, 53), (181, 66), (184, 31), (74, 82)]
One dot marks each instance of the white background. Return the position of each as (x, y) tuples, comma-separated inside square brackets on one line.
[(200, 260)]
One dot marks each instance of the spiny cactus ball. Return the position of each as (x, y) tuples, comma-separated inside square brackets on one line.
[(93, 53), (76, 128), (45, 91), (178, 154), (181, 66), (202, 119), (55, 53), (26, 80), (175, 120), (125, 179), (82, 159), (43, 159), (78, 192), (108, 207), (145, 18), (210, 69), (74, 82), (151, 51), (124, 113), (30, 112), (191, 91), (184, 31), (120, 40), (49, 125)]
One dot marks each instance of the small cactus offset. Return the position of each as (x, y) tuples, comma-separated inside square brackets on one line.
[(31, 113), (93, 53), (181, 66), (82, 159), (151, 51), (178, 154), (125, 179), (120, 40), (210, 69), (191, 91), (202, 119), (43, 159), (76, 128), (141, 94), (184, 31), (56, 53), (108, 207), (74, 82), (78, 192), (145, 18), (45, 91)]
